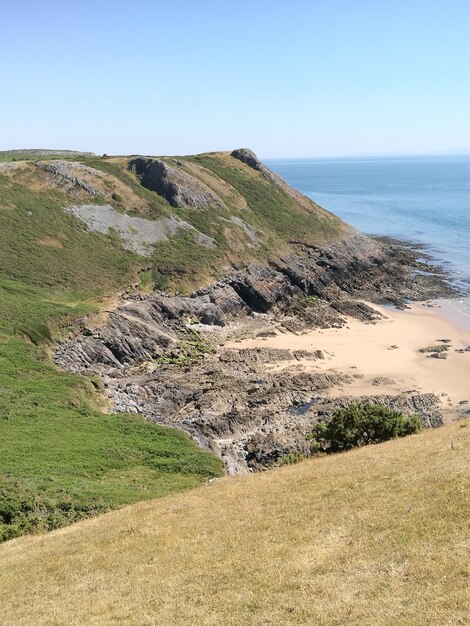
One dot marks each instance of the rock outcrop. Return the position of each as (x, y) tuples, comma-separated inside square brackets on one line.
[(74, 174), (154, 360), (247, 156), (178, 187)]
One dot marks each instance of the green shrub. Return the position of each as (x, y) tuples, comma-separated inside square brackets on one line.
[(361, 424), (291, 458)]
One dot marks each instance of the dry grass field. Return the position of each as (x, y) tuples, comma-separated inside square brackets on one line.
[(379, 535)]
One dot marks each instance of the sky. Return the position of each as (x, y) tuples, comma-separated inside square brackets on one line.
[(287, 78)]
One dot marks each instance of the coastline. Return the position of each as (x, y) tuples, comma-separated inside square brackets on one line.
[(455, 310), (384, 357), (248, 364)]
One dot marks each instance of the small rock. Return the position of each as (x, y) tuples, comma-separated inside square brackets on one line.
[(382, 380), (439, 348)]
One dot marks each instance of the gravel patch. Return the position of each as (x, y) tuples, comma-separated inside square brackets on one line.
[(138, 234)]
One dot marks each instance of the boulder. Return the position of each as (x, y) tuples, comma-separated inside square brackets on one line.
[(178, 187)]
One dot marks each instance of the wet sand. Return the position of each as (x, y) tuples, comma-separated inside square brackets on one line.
[(388, 349)]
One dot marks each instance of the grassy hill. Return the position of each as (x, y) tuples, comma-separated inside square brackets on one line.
[(61, 457), (379, 535)]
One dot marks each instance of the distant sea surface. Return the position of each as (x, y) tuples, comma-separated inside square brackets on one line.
[(419, 199)]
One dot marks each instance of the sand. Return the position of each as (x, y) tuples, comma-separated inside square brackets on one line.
[(365, 352)]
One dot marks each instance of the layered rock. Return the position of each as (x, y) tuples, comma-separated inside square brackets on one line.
[(154, 361), (178, 187), (74, 174)]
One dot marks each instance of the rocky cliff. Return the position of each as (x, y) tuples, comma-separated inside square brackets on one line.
[(164, 356)]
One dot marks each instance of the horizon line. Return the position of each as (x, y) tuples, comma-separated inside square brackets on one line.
[(359, 155), (463, 153)]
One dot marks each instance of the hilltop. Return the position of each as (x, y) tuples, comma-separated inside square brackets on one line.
[(40, 153), (374, 536), (121, 278)]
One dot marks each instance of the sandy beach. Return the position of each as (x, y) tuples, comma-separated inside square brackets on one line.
[(384, 357)]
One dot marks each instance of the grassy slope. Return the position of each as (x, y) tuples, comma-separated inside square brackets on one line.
[(379, 535), (272, 210), (60, 458)]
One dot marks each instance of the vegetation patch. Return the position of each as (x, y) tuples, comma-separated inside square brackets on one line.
[(361, 424), (272, 209), (181, 263), (87, 263), (61, 459)]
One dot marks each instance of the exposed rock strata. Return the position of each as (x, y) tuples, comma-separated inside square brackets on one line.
[(178, 187), (72, 173), (154, 362)]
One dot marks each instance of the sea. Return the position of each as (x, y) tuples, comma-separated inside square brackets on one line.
[(422, 199)]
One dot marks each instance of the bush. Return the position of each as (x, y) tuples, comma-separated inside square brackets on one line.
[(361, 424)]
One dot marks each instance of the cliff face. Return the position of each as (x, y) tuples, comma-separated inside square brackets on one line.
[(179, 188)]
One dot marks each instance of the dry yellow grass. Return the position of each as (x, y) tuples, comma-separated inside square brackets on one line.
[(220, 187), (50, 242), (379, 535)]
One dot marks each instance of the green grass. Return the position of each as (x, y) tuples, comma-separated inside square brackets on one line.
[(182, 263), (157, 205), (41, 244), (27, 305), (62, 460), (273, 210), (39, 154)]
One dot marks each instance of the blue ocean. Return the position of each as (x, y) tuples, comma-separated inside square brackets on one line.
[(420, 199)]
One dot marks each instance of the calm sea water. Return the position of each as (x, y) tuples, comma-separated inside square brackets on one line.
[(421, 199)]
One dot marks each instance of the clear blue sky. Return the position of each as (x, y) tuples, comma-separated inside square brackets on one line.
[(285, 77)]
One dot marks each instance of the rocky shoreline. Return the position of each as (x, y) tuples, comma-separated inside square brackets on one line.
[(165, 357)]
